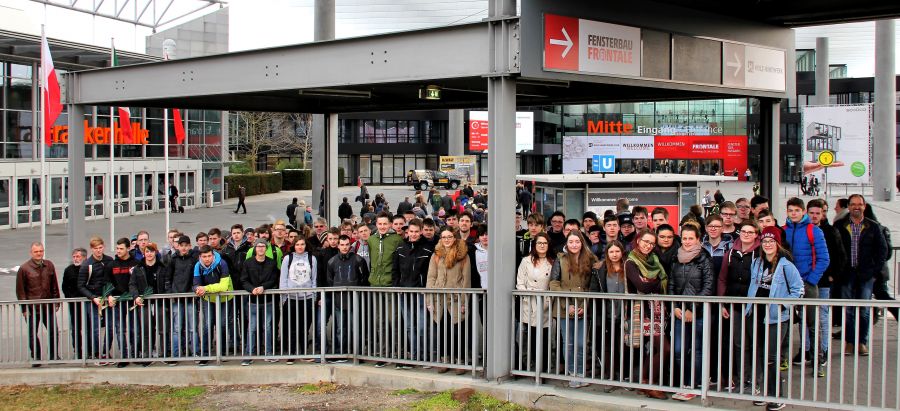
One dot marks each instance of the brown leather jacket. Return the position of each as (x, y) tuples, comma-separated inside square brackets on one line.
[(36, 282)]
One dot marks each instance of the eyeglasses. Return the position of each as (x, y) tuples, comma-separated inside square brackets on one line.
[(648, 242), (728, 214), (768, 241), (444, 237), (718, 227), (541, 243), (743, 207), (748, 232)]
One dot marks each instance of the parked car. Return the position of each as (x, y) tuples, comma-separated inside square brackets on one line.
[(425, 179)]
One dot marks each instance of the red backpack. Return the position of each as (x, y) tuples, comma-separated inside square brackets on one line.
[(812, 242)]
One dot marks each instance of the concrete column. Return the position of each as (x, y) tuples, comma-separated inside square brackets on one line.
[(501, 186), (770, 154), (456, 133), (77, 225), (331, 169), (884, 161), (822, 78), (323, 30)]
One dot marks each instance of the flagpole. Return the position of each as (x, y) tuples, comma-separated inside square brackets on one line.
[(40, 145), (166, 161), (112, 155)]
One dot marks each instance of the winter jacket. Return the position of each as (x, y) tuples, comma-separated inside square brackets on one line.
[(298, 271), (92, 276), (381, 253), (478, 256), (786, 283), (36, 281), (534, 278), (564, 278), (692, 278), (717, 253), (668, 256), (259, 274), (802, 251), (145, 276), (70, 281), (600, 284), (214, 279), (180, 273), (836, 258), (872, 249), (457, 276), (346, 270), (345, 211), (734, 277), (410, 264), (119, 274)]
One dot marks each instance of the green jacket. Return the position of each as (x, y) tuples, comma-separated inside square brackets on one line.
[(381, 254), (278, 256)]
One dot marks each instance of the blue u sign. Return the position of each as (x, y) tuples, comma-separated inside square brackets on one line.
[(604, 164)]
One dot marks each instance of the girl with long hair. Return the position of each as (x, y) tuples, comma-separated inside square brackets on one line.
[(449, 268), (534, 275), (610, 278)]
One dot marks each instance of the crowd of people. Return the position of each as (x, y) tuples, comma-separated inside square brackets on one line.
[(736, 249)]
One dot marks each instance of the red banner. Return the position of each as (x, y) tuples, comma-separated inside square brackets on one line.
[(732, 150), (478, 134)]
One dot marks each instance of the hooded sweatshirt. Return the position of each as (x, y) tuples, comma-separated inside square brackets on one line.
[(298, 271)]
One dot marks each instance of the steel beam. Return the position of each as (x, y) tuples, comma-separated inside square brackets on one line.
[(884, 164), (77, 226)]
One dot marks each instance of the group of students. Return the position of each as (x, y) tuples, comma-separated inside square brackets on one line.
[(739, 252)]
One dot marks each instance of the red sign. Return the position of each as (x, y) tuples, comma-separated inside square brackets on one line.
[(560, 42), (732, 150), (478, 134)]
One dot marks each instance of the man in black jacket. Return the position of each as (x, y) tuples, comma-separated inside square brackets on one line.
[(154, 313), (346, 269), (411, 270), (70, 290), (259, 275), (179, 276), (404, 206), (865, 249), (817, 210), (119, 315), (345, 211), (291, 212), (91, 279)]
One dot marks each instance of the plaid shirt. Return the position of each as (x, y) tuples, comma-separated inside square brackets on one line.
[(855, 230)]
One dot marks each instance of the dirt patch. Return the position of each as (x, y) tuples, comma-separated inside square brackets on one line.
[(322, 396)]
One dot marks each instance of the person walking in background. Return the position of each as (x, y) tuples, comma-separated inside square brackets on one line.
[(291, 212), (173, 197), (36, 280), (242, 194)]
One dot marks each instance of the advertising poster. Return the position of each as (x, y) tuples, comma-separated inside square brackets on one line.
[(843, 130), (479, 127), (600, 201), (465, 168)]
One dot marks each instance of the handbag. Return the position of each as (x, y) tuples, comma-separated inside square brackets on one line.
[(652, 327)]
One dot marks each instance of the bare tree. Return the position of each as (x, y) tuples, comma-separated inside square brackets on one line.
[(258, 133)]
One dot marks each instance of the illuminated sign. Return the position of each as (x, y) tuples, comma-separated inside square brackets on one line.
[(100, 135)]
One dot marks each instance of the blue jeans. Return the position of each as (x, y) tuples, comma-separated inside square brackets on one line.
[(96, 348), (413, 312), (254, 327), (573, 337), (184, 324), (127, 328), (211, 318), (824, 322), (857, 290), (689, 344)]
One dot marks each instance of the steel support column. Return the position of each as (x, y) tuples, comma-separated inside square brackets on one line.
[(501, 183), (456, 133), (331, 168), (323, 29), (822, 71), (770, 153), (884, 164), (77, 225)]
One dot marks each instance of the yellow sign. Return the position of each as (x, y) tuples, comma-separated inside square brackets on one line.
[(826, 158)]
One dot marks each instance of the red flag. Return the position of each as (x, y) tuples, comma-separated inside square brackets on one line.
[(50, 94), (125, 126), (179, 126)]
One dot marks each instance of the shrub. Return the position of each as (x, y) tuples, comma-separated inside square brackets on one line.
[(288, 164), (259, 183), (240, 168), (298, 179)]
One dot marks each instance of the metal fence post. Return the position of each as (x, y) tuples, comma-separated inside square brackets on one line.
[(539, 344), (219, 341), (322, 317), (704, 373), (354, 312)]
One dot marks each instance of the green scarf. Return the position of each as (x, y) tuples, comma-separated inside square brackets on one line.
[(650, 268)]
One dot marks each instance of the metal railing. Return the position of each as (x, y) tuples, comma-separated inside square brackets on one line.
[(736, 357), (405, 326)]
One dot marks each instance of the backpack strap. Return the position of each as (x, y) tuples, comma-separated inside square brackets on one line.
[(812, 244), (290, 260)]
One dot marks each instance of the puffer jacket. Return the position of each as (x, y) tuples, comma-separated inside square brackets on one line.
[(692, 278), (562, 278), (802, 251), (92, 276), (410, 263), (532, 277)]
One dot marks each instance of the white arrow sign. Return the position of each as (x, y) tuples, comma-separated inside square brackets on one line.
[(567, 42), (736, 64)]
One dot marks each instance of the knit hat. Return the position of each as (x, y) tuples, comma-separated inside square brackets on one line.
[(590, 214), (771, 232), (625, 218), (260, 241)]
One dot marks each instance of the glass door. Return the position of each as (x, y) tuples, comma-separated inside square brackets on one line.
[(93, 197), (122, 194), (59, 199), (376, 172), (4, 203), (186, 188), (143, 193), (28, 201)]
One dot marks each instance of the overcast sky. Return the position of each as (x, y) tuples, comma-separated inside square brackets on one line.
[(267, 23)]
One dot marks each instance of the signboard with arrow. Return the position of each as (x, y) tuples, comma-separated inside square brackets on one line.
[(591, 47), (752, 66)]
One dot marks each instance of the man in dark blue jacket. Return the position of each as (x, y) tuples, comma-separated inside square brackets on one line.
[(810, 251), (179, 275), (865, 249), (410, 263)]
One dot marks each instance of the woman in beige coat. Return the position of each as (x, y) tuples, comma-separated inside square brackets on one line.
[(534, 275), (449, 268)]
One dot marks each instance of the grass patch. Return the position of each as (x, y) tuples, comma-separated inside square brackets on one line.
[(481, 401), (444, 401), (99, 397), (406, 391), (438, 402), (322, 387)]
